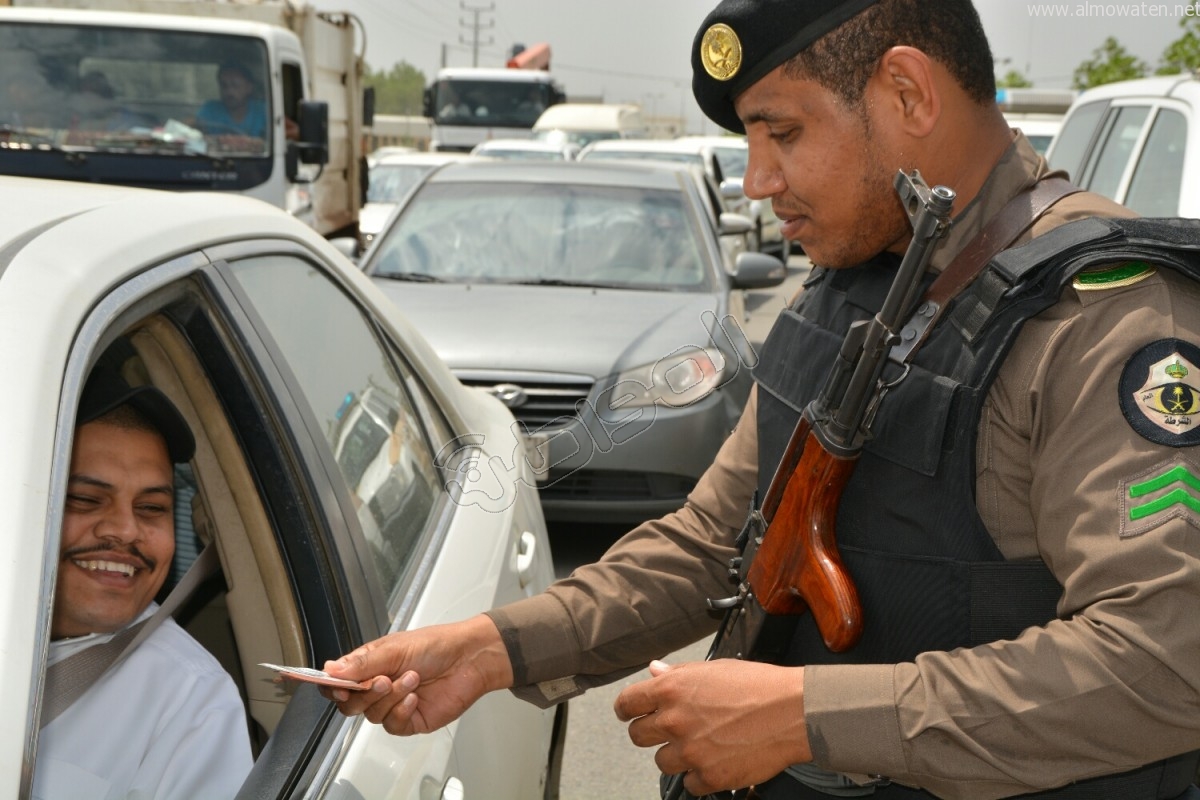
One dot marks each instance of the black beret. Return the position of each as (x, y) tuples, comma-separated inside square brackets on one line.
[(742, 40)]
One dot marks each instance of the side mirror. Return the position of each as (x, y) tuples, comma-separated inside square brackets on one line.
[(734, 224), (347, 246), (368, 106), (313, 146), (731, 189), (427, 102), (758, 271)]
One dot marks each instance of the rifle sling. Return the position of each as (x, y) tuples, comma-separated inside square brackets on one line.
[(1017, 216), (67, 680)]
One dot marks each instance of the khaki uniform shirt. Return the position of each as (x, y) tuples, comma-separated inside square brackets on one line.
[(1108, 687)]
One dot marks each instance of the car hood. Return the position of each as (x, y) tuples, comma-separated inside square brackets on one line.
[(594, 332)]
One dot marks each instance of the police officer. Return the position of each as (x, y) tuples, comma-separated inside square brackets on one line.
[(1023, 525)]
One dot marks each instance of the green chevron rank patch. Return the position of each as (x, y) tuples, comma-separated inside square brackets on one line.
[(1167, 491)]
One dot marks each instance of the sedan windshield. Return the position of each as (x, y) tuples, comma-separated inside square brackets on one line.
[(547, 234)]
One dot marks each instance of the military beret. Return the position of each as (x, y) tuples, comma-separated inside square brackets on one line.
[(742, 40)]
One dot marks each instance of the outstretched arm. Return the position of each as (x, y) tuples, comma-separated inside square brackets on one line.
[(423, 679)]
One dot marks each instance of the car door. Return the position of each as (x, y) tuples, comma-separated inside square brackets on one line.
[(1131, 150), (384, 448), (289, 379)]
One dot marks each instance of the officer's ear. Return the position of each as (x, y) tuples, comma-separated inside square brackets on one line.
[(906, 86)]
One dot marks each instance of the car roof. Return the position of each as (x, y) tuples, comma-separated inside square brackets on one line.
[(646, 174), (421, 157), (1183, 87), (648, 145)]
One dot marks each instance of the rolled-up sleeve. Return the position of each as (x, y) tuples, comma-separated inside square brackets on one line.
[(645, 597)]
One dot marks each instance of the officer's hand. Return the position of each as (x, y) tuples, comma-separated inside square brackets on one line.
[(727, 723), (423, 679)]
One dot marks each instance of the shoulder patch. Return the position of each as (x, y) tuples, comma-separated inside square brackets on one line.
[(1112, 278), (1159, 395), (1170, 490)]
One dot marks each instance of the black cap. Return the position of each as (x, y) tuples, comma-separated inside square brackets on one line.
[(742, 40), (107, 390)]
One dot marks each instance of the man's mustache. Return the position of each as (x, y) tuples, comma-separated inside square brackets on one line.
[(132, 550)]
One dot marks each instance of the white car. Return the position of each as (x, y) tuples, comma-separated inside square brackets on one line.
[(389, 179), (733, 154), (689, 151), (527, 149), (337, 462), (1137, 142)]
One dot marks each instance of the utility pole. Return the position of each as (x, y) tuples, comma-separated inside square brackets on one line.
[(476, 26)]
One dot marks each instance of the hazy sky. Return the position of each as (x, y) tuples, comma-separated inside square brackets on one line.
[(638, 50)]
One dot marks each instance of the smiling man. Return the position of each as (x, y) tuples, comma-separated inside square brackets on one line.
[(165, 721)]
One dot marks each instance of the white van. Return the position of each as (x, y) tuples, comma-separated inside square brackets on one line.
[(1137, 142), (583, 123)]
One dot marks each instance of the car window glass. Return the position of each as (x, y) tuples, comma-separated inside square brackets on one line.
[(733, 160), (533, 233), (357, 394), (1074, 138), (1108, 167), (1158, 177)]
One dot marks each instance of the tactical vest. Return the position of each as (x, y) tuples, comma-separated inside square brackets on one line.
[(929, 575)]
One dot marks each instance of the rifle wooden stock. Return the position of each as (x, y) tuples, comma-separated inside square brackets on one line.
[(799, 567)]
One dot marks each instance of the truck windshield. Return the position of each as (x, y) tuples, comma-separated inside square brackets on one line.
[(489, 103), (112, 90)]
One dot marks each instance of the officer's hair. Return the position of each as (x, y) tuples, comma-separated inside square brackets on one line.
[(948, 31)]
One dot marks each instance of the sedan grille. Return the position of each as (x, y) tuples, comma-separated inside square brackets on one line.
[(538, 400)]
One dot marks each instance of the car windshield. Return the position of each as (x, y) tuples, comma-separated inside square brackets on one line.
[(389, 183), (77, 87), (580, 235)]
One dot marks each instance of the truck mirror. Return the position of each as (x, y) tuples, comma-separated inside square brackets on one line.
[(368, 118), (314, 132)]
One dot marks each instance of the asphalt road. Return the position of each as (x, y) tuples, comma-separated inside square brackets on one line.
[(600, 763)]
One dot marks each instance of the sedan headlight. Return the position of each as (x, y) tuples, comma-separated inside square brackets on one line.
[(680, 379)]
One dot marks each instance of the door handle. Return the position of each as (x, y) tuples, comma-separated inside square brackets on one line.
[(526, 552)]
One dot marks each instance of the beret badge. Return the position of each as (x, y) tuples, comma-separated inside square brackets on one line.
[(721, 52)]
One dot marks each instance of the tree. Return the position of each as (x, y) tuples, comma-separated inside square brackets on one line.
[(1013, 80), (397, 91), (1183, 54), (1110, 63)]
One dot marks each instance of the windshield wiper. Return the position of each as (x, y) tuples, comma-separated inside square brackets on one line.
[(562, 282), (415, 277)]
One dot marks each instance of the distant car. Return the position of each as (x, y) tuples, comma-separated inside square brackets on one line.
[(1039, 129), (1137, 142), (584, 123), (733, 155), (379, 153), (527, 149), (594, 298), (392, 177), (685, 151), (335, 463)]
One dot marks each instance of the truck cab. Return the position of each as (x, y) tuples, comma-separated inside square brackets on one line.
[(469, 105), (169, 101)]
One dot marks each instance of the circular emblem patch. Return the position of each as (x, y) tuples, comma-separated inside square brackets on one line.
[(721, 52), (1160, 392)]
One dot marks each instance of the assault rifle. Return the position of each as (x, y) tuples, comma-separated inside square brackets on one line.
[(790, 561)]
